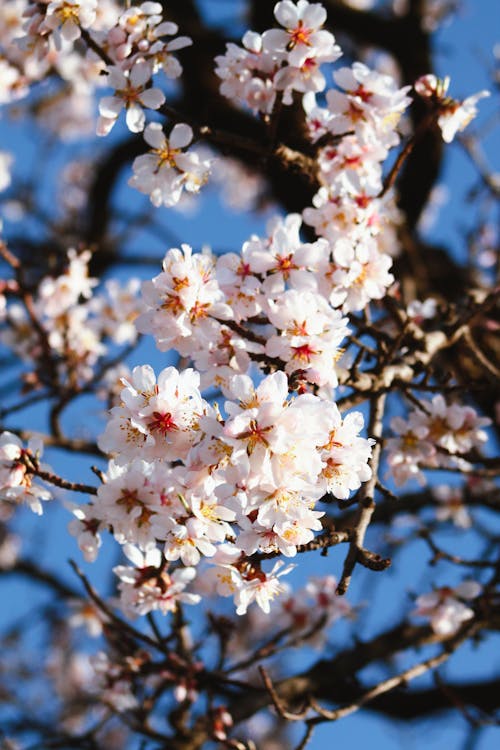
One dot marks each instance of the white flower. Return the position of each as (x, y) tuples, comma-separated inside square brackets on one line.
[(261, 587), (85, 526), (453, 115), (184, 302), (451, 506), (71, 16), (445, 608), (303, 38), (57, 295), (16, 477), (168, 168), (130, 93), (148, 586), (370, 101)]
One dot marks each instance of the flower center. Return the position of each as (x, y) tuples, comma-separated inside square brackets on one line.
[(299, 35)]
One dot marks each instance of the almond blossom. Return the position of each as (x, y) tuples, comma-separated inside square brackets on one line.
[(17, 466), (362, 274), (433, 436), (247, 73), (260, 587), (453, 115), (131, 502), (71, 16), (451, 506), (445, 607), (247, 584), (148, 586), (86, 527), (165, 171), (184, 302), (369, 102), (279, 60), (58, 294), (303, 37), (132, 94), (310, 333)]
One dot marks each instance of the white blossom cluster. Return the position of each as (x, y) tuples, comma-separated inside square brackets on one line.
[(445, 607), (214, 488), (279, 61), (192, 485), (18, 484), (358, 127), (77, 323), (169, 168), (128, 45), (436, 435), (127, 49), (288, 295)]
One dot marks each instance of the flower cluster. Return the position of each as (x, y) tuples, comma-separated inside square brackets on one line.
[(17, 472), (317, 601), (198, 306), (436, 435), (445, 607), (168, 168), (137, 48), (73, 320), (221, 486), (279, 61), (147, 586), (60, 20), (451, 506), (128, 45), (358, 127), (132, 93), (242, 485), (453, 115)]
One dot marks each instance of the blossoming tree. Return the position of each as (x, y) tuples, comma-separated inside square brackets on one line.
[(310, 387)]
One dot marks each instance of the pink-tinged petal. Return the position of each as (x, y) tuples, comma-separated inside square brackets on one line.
[(345, 79), (117, 79), (105, 125), (323, 40), (166, 28), (181, 136), (275, 40), (110, 106), (140, 74), (171, 67), (298, 55), (154, 135), (179, 43), (152, 98), (134, 555), (252, 41), (87, 17), (70, 31), (286, 14), (135, 118), (468, 589), (448, 128), (152, 8), (314, 16)]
